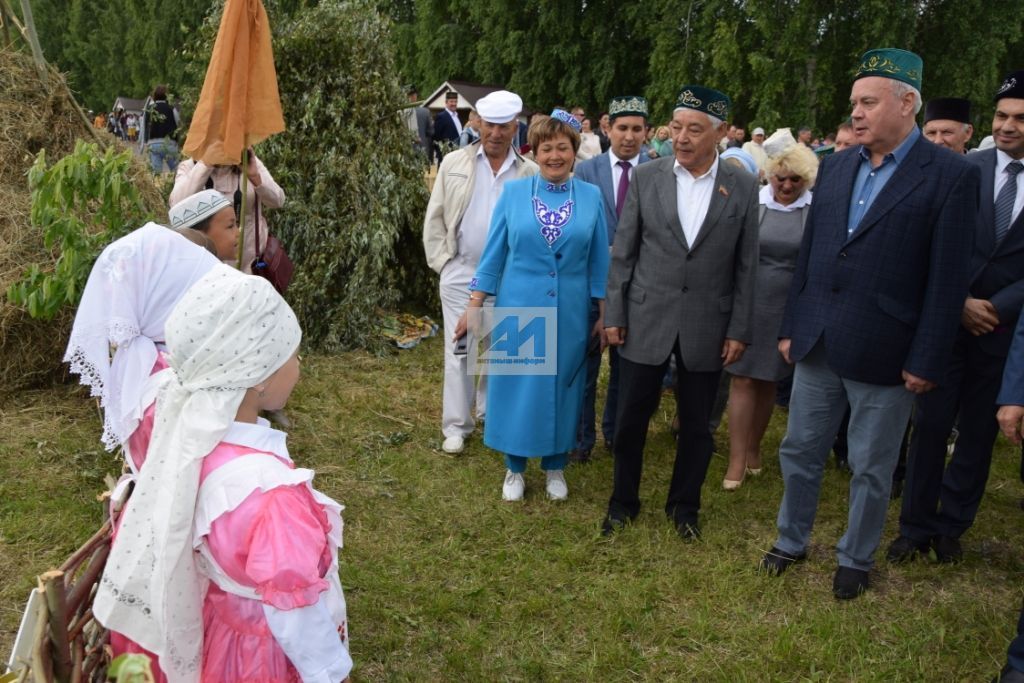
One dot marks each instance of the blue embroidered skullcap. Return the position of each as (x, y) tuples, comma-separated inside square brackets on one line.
[(567, 118), (707, 100)]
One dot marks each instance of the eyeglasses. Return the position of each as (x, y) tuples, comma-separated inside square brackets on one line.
[(792, 178)]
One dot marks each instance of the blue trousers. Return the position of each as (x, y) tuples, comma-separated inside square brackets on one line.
[(1015, 655), (878, 418), (517, 463)]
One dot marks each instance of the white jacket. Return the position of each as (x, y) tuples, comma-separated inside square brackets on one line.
[(449, 199)]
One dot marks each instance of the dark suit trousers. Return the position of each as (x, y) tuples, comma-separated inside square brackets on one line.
[(639, 394), (937, 503)]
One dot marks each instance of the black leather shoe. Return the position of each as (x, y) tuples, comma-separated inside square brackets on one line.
[(688, 531), (579, 455), (905, 549), (1009, 675), (848, 583), (947, 549), (776, 561), (612, 523)]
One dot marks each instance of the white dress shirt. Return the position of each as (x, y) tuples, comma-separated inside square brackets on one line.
[(617, 170), (1002, 161), (487, 187), (693, 196)]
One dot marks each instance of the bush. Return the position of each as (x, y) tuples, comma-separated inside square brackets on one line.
[(356, 191)]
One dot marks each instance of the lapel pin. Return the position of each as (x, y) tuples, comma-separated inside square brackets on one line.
[(722, 191)]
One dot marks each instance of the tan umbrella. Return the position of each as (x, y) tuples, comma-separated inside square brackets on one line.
[(239, 105)]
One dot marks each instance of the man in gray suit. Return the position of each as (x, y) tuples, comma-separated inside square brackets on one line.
[(612, 172), (681, 282)]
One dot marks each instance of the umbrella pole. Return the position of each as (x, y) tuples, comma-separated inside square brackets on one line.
[(241, 211)]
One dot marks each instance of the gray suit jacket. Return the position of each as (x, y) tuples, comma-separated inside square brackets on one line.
[(661, 290)]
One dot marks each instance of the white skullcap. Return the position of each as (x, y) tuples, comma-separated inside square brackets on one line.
[(501, 106), (197, 208), (758, 131), (779, 142)]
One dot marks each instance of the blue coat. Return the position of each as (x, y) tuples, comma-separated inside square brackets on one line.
[(537, 415), (598, 171), (889, 297)]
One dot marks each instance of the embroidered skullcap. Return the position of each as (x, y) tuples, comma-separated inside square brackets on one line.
[(500, 106), (451, 95), (948, 109), (630, 105), (758, 131), (1012, 86), (707, 100), (568, 119), (779, 142), (891, 62), (197, 208)]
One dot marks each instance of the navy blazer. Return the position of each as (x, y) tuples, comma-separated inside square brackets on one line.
[(1012, 391), (997, 272), (598, 171), (444, 127), (889, 297)]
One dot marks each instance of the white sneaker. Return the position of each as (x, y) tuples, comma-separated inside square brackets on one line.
[(514, 486), (557, 488), (453, 444)]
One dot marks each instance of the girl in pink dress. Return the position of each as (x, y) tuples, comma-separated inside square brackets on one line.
[(226, 561)]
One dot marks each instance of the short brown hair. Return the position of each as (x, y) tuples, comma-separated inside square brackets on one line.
[(550, 128), (160, 92)]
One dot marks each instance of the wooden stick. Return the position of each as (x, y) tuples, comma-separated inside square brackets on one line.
[(76, 667), (82, 587), (41, 671), (75, 629), (33, 41), (8, 13), (53, 585)]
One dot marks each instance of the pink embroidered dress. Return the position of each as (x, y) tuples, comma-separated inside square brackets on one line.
[(274, 610)]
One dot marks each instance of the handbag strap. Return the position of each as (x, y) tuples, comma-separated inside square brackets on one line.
[(256, 224)]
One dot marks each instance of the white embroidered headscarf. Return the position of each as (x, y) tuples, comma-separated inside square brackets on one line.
[(132, 288), (230, 332)]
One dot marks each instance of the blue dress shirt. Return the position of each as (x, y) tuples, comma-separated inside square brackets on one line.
[(870, 181)]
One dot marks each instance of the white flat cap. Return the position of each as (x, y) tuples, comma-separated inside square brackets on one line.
[(758, 131), (501, 106), (779, 142), (197, 208)]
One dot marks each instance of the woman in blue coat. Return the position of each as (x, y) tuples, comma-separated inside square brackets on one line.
[(546, 248)]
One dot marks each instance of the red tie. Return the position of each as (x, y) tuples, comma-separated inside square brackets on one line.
[(620, 196)]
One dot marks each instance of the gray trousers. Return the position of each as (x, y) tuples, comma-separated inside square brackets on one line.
[(878, 419)]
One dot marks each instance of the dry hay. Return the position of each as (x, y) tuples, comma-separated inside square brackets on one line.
[(34, 116)]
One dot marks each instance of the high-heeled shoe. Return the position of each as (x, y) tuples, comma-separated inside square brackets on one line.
[(754, 471), (731, 485)]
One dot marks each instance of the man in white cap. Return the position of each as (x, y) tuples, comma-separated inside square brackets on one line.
[(468, 185), (754, 147)]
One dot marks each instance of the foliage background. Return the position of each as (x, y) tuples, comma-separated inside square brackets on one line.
[(784, 62)]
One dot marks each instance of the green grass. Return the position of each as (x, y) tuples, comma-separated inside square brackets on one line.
[(447, 583)]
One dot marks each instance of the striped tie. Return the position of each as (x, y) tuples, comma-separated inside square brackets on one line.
[(1005, 200)]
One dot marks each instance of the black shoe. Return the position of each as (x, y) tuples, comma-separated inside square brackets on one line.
[(947, 549), (897, 489), (848, 583), (905, 549), (612, 523), (776, 561), (1009, 675), (579, 455), (688, 531)]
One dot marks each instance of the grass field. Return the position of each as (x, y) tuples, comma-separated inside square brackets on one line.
[(447, 583)]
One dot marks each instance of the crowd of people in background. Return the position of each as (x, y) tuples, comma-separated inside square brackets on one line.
[(871, 280)]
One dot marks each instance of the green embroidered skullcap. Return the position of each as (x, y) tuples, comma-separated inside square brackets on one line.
[(630, 105), (707, 100), (891, 62)]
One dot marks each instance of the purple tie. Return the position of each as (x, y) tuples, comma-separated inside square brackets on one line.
[(620, 196)]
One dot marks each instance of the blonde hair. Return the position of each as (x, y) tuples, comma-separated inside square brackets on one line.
[(797, 159)]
